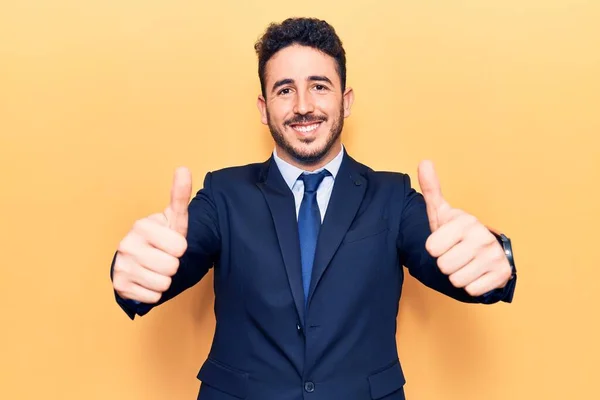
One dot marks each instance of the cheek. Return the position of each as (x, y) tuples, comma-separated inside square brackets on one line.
[(278, 114), (329, 106)]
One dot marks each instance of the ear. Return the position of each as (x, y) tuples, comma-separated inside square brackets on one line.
[(262, 108), (348, 101)]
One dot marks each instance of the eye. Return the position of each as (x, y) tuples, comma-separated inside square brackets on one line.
[(320, 87), (284, 91)]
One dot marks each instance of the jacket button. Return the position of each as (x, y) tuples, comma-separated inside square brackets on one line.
[(309, 387)]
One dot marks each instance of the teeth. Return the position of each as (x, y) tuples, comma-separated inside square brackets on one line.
[(308, 128)]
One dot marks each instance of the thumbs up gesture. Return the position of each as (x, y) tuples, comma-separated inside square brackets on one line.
[(465, 249), (148, 256)]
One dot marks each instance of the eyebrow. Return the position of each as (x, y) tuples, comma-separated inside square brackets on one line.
[(320, 78), (281, 82), (312, 78)]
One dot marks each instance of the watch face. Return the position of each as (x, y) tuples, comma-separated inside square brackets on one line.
[(508, 250), (506, 246), (506, 243)]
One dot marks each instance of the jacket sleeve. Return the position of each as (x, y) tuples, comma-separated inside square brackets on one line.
[(414, 231), (204, 246)]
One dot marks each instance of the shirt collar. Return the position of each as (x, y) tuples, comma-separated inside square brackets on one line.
[(291, 173)]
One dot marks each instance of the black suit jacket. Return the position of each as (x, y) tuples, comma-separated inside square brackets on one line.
[(266, 346)]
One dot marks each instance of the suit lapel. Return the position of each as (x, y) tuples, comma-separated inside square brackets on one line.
[(281, 203), (348, 191)]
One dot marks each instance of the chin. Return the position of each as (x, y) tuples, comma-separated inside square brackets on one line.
[(310, 154), (313, 147)]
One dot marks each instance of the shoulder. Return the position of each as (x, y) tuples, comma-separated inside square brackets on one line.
[(236, 175), (239, 171), (381, 176), (395, 185)]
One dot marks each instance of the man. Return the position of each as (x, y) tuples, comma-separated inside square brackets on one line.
[(307, 247)]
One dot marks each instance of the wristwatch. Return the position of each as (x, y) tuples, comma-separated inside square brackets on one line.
[(507, 247)]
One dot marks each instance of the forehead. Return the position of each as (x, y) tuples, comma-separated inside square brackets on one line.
[(299, 62)]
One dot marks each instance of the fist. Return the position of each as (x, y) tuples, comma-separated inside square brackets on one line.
[(465, 249), (148, 256)]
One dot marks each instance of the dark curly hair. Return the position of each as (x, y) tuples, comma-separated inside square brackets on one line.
[(310, 32)]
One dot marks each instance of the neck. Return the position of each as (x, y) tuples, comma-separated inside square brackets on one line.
[(311, 166)]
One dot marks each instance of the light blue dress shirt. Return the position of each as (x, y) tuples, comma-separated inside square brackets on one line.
[(291, 173)]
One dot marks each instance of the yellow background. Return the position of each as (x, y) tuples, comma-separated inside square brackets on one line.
[(101, 100)]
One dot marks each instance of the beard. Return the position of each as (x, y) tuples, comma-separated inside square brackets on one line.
[(310, 157)]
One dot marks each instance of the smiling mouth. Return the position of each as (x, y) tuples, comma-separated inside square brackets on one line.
[(306, 128)]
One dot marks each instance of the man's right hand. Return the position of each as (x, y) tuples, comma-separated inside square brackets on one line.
[(148, 256)]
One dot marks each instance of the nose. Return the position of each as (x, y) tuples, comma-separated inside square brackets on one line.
[(304, 103)]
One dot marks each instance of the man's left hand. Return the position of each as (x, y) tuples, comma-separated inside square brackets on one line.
[(465, 249)]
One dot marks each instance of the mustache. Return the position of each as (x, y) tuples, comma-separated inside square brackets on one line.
[(305, 119)]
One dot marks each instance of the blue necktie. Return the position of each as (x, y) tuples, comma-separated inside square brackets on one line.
[(309, 223)]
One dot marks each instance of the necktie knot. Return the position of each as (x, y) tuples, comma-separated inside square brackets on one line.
[(312, 181)]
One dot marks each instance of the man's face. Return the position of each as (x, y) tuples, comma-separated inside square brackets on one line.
[(304, 105)]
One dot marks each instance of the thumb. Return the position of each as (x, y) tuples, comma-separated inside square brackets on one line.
[(181, 192), (432, 192)]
